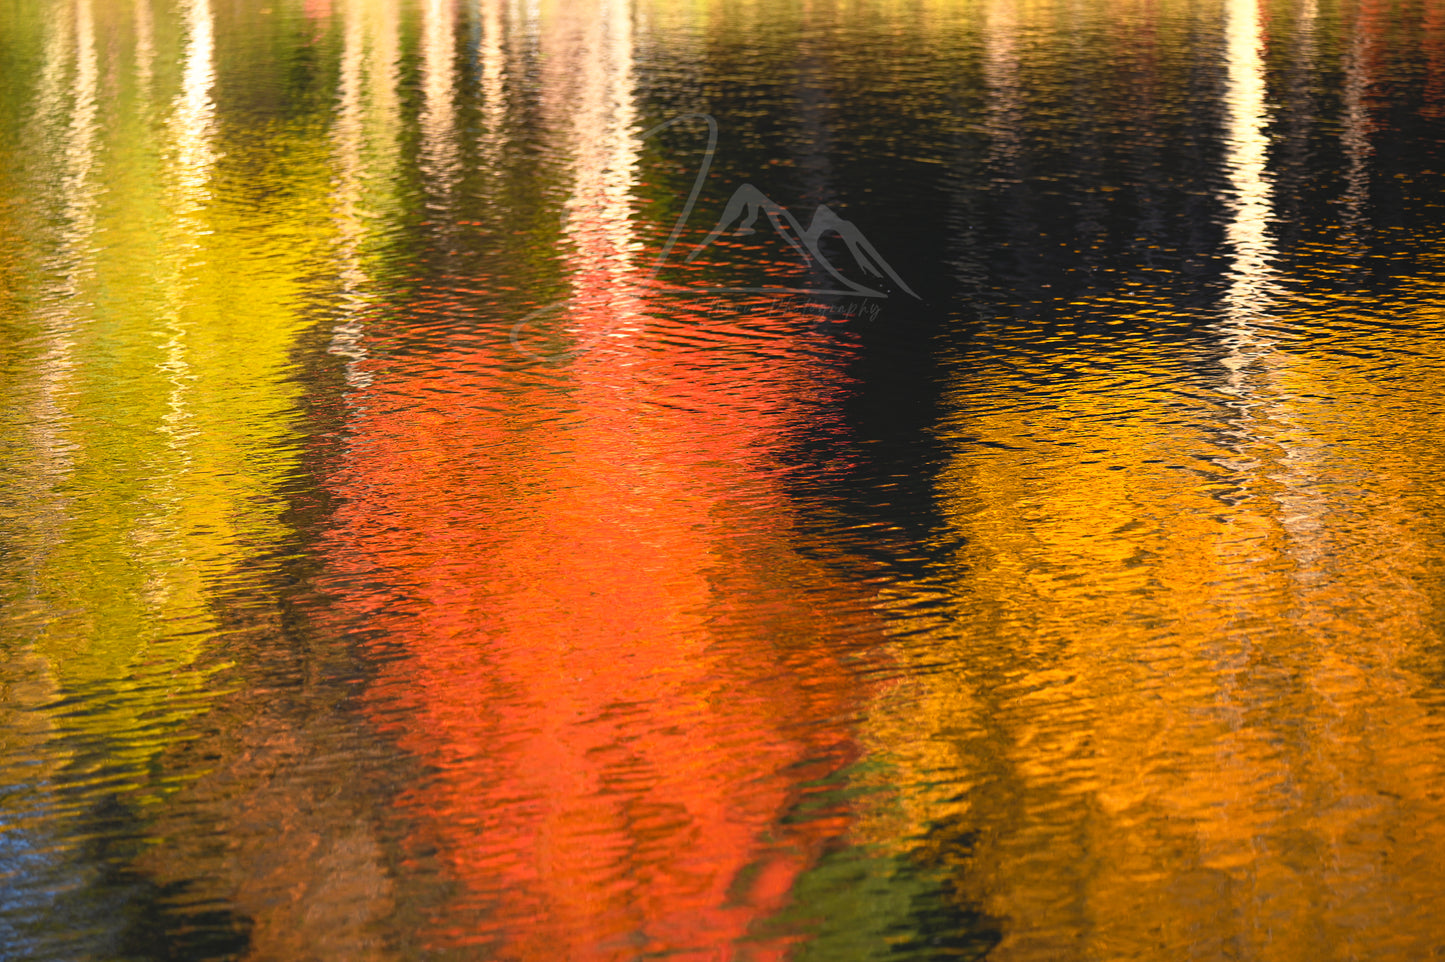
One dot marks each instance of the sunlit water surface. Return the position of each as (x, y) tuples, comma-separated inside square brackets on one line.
[(423, 536)]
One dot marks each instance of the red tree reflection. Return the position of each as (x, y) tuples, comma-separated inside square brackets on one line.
[(604, 644), (600, 637)]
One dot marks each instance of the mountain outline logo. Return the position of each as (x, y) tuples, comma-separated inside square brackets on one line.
[(748, 203), (743, 208)]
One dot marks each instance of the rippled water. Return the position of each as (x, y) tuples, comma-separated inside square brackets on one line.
[(431, 529)]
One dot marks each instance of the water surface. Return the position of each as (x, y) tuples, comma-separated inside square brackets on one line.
[(430, 529)]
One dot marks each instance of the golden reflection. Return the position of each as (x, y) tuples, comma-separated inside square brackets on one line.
[(1166, 688), (1174, 711), (1156, 693)]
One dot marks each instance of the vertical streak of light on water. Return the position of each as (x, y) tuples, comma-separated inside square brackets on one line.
[(69, 66), (529, 14), (1301, 511), (78, 187), (814, 152), (605, 148), (1250, 356), (145, 47), (1248, 230), (493, 87), (1250, 202), (191, 156), (72, 35), (346, 137), (65, 131), (1250, 206), (440, 163), (367, 93), (195, 110), (1005, 105), (1001, 78), (81, 146), (1356, 133), (192, 131)]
